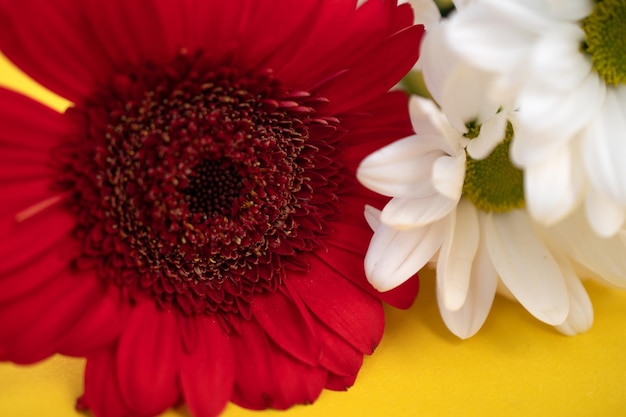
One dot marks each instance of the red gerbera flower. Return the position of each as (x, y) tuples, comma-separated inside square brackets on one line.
[(191, 224)]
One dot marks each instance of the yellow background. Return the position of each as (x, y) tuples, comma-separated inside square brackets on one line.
[(515, 366)]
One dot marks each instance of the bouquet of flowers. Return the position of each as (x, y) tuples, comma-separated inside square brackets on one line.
[(234, 189)]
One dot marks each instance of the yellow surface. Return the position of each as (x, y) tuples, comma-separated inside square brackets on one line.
[(513, 367)]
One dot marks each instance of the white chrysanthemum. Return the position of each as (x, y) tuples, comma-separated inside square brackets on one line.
[(563, 64), (468, 216)]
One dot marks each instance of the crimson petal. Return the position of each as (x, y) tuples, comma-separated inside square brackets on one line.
[(208, 373), (102, 394), (30, 325), (148, 359), (350, 311), (287, 322), (47, 39), (99, 325), (346, 91), (269, 377)]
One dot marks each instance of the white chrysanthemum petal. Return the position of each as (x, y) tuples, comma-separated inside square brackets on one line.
[(580, 317), (426, 118), (473, 104), (604, 147), (394, 256), (605, 217), (603, 256), (436, 59), (555, 60), (409, 212), (492, 132), (466, 321), (456, 256), (571, 10), (402, 168), (532, 15), (372, 217), (471, 34), (425, 12), (537, 135), (553, 187), (448, 175), (526, 266)]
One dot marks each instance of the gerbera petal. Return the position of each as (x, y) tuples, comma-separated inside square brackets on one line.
[(454, 264), (256, 383), (346, 90), (353, 242), (46, 39), (29, 125), (394, 255), (338, 356), (102, 394), (101, 320), (341, 307), (207, 374), (287, 322), (148, 359), (527, 267), (467, 320), (409, 212), (22, 241), (316, 47), (30, 326)]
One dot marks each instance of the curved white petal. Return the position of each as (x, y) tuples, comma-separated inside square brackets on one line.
[(402, 168), (605, 257), (492, 132), (556, 62), (554, 186), (463, 97), (604, 147), (580, 317), (572, 10), (436, 60), (372, 217), (526, 266), (457, 255), (425, 12), (471, 35), (395, 256), (410, 212), (467, 320), (426, 118), (448, 176), (537, 135), (604, 215)]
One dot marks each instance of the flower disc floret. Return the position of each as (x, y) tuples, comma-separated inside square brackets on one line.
[(494, 184), (605, 40), (190, 184)]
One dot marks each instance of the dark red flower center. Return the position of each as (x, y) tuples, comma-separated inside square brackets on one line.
[(199, 187)]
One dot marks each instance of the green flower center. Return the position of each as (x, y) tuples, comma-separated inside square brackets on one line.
[(494, 184), (605, 43)]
